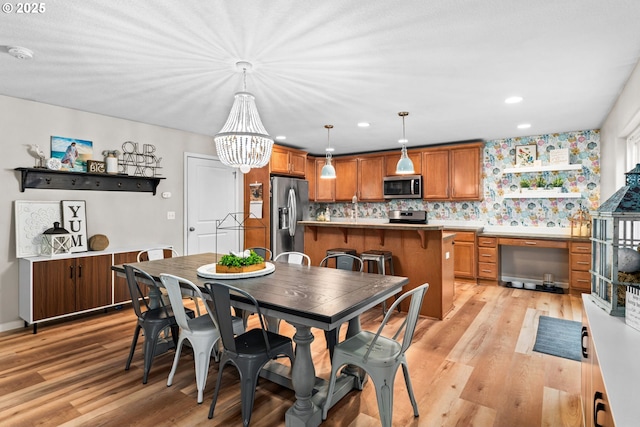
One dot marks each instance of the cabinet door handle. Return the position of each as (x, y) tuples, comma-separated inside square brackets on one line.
[(71, 272), (79, 270), (486, 271), (583, 263), (530, 243), (597, 407), (583, 335)]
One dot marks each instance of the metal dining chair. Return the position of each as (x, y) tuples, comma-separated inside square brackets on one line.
[(200, 331), (265, 253), (151, 320), (293, 257), (380, 357), (249, 351)]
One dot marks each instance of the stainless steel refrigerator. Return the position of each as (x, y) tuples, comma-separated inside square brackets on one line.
[(289, 204)]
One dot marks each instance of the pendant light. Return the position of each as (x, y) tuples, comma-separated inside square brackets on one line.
[(328, 171), (405, 165), (243, 142)]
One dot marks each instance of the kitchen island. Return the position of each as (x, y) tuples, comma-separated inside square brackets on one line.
[(421, 252)]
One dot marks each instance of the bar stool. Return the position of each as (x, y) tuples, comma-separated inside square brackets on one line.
[(379, 258), (339, 251)]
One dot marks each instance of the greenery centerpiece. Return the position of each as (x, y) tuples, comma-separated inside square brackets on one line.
[(240, 262)]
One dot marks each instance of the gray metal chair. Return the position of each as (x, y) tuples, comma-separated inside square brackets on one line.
[(380, 357), (249, 351), (263, 252), (151, 320), (343, 261), (293, 258)]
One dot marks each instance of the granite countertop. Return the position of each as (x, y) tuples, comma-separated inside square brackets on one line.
[(363, 223)]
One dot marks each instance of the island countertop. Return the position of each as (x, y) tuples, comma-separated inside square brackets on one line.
[(371, 225)]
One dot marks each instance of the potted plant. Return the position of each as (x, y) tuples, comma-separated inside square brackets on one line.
[(540, 183), (525, 184), (557, 183)]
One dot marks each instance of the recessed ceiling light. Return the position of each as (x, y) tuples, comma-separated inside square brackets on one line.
[(281, 137), (20, 52), (513, 100), (363, 125), (524, 125)]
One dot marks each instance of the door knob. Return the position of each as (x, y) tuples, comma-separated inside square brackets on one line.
[(192, 229)]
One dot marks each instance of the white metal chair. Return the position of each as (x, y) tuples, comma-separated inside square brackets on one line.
[(293, 258), (161, 252), (200, 331), (380, 356)]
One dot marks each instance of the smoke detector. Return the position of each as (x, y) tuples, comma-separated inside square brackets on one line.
[(20, 52)]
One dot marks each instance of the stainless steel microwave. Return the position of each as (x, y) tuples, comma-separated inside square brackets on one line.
[(402, 187)]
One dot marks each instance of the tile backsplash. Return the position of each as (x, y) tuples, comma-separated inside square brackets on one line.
[(495, 209)]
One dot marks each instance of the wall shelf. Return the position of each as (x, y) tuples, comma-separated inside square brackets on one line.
[(542, 194), (547, 168), (65, 180)]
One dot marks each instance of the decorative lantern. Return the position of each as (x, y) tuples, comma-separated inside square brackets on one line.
[(615, 241), (55, 241), (581, 224)]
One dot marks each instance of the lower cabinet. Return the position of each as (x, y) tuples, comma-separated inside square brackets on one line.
[(464, 260), (488, 258), (596, 410), (52, 288), (580, 260)]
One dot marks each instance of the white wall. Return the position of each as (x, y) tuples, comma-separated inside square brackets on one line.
[(128, 219), (623, 118)]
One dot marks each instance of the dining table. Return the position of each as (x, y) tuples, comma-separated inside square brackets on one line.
[(304, 296)]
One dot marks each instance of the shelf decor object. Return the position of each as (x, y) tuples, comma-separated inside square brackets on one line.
[(405, 165), (64, 180), (243, 142), (615, 229), (55, 241), (525, 155)]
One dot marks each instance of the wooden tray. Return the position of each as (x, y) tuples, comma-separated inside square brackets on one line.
[(208, 271)]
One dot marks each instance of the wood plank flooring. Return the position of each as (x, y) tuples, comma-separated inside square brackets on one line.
[(474, 368)]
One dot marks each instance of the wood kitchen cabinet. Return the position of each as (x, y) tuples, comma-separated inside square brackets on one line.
[(453, 172), (288, 161), (310, 176), (121, 292), (488, 260), (580, 261), (359, 176), (464, 249), (65, 286), (391, 162), (325, 188)]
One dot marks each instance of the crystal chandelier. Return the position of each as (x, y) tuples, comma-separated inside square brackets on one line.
[(328, 171), (243, 142), (405, 165)]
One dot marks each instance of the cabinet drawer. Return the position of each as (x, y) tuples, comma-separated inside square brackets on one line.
[(488, 270), (581, 247), (534, 243), (464, 236), (488, 241), (580, 262), (487, 254), (581, 281)]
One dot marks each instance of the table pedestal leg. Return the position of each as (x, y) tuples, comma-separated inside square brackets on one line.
[(303, 375)]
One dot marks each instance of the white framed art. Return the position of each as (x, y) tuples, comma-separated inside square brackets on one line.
[(32, 218), (74, 220)]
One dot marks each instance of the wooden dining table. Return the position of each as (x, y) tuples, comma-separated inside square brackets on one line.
[(306, 297)]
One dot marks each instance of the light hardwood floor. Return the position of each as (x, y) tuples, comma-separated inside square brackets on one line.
[(474, 368)]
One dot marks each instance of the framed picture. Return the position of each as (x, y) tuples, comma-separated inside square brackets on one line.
[(32, 218), (74, 220), (72, 153), (526, 155)]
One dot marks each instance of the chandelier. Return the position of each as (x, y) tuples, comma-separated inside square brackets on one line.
[(405, 165), (328, 171), (243, 142)]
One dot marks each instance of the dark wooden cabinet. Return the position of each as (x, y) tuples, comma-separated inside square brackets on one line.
[(120, 288), (69, 285)]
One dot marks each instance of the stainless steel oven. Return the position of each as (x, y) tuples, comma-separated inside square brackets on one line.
[(402, 187)]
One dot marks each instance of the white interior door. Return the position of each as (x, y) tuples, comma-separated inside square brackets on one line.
[(212, 191)]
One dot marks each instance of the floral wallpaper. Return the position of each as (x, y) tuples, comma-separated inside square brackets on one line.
[(495, 209)]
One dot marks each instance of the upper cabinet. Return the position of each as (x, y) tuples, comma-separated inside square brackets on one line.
[(453, 172), (325, 189), (391, 161), (346, 178), (310, 176), (370, 174), (288, 161)]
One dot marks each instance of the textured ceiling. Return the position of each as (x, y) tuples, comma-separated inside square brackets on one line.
[(450, 63)]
